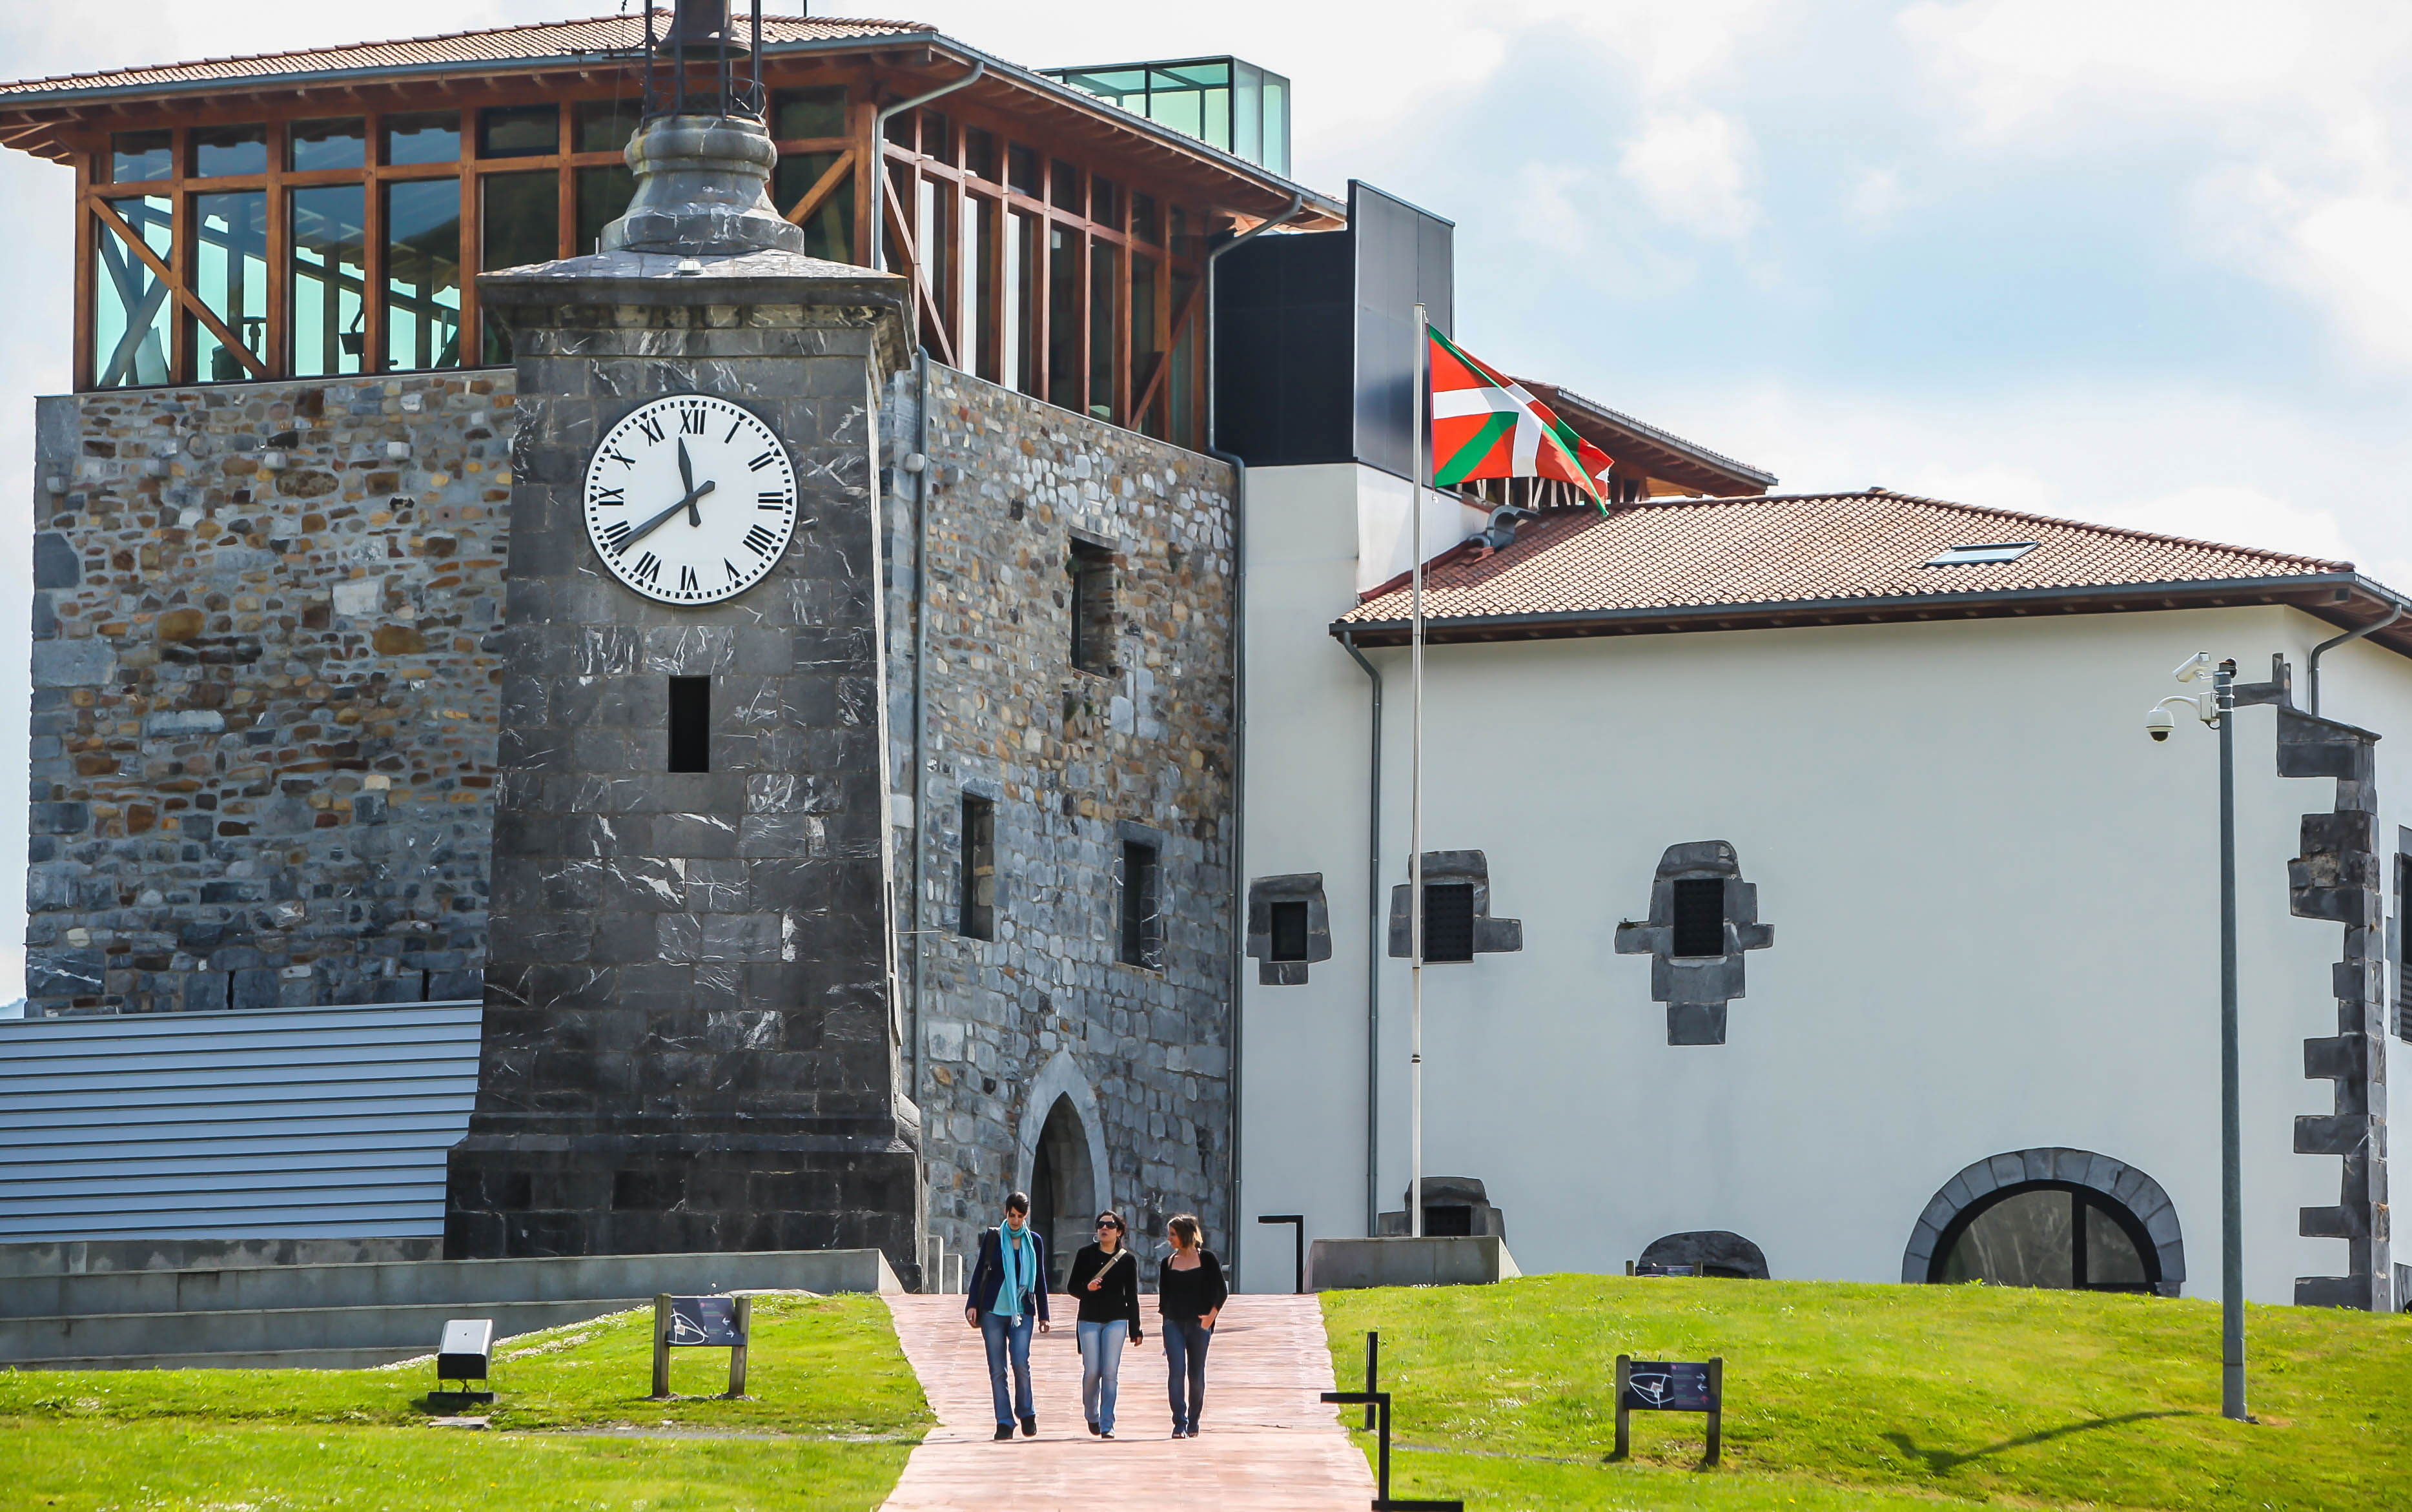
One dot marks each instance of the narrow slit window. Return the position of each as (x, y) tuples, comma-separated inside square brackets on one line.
[(1289, 942), (1143, 902), (1700, 916), (690, 724), (1092, 571), (1449, 922), (977, 915)]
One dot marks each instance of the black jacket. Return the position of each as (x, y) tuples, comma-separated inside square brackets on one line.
[(1118, 1299), (988, 1275), (1191, 1294)]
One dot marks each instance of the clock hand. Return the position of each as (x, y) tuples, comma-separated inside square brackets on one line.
[(650, 525), (686, 482)]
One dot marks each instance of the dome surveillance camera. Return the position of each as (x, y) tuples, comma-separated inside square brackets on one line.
[(2158, 724)]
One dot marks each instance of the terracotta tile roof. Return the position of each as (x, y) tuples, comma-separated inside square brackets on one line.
[(1684, 559), (601, 37)]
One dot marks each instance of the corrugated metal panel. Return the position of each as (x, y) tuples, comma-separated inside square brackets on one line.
[(275, 1123)]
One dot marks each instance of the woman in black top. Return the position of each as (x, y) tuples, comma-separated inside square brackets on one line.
[(1189, 1292), (1105, 1278)]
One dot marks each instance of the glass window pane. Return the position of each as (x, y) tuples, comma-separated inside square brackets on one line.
[(1215, 118), (1180, 110), (933, 247), (519, 131), (425, 137), (1019, 360), (1066, 187), (1277, 124), (519, 222), (1142, 339), (317, 145), (2024, 1239), (223, 152), (979, 153), (138, 156), (329, 230), (2110, 1256), (1248, 115), (1180, 390), (131, 307), (938, 137), (1062, 317), (1144, 221), (1022, 171), (605, 125), (1105, 204), (230, 267), (803, 113), (603, 195), (828, 232), (979, 237), (1105, 275), (423, 274)]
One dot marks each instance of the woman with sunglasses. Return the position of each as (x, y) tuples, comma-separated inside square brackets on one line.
[(1105, 1278)]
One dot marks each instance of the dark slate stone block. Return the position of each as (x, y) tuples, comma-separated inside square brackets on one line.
[(55, 564), (257, 988)]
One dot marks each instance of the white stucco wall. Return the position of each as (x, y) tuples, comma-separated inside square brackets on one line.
[(1994, 903)]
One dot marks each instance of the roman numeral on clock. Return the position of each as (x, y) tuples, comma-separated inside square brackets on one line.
[(733, 573), (691, 422), (772, 501), (616, 455), (687, 580), (651, 426), (648, 568), (763, 461), (604, 496), (761, 541), (616, 534)]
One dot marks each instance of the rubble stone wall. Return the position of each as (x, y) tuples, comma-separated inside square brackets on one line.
[(264, 691), (1076, 763)]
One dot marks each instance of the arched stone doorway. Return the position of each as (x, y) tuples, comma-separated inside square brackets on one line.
[(2055, 1218), (1063, 1189)]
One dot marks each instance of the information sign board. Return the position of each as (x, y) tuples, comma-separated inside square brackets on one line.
[(1669, 1386), (701, 1323)]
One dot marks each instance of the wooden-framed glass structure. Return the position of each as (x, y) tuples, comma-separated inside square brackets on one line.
[(327, 214)]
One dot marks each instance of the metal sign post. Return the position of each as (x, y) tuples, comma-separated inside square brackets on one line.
[(1299, 1265), (1669, 1386), (701, 1323)]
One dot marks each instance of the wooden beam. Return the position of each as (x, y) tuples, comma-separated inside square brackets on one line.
[(1164, 359), (185, 297), (823, 189)]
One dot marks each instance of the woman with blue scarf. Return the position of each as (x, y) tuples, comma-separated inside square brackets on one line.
[(1008, 1290)]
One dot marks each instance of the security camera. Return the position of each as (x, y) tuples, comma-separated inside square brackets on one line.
[(2158, 724), (2193, 666)]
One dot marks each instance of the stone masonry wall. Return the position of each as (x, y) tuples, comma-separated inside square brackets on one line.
[(264, 691), (1072, 760)]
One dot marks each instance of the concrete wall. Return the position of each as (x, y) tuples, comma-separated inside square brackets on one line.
[(1995, 907), (1075, 761), (264, 694)]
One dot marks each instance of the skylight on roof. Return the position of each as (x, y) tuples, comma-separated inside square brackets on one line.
[(1960, 556)]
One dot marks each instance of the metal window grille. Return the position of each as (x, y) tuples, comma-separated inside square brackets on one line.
[(978, 918), (1449, 922), (1700, 916), (1143, 917)]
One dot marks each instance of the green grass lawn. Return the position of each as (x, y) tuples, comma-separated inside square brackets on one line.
[(1890, 1397), (832, 1409)]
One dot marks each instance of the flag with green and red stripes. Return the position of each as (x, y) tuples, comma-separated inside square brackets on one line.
[(1488, 425)]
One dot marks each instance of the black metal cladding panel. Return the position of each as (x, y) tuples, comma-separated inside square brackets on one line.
[(1404, 256), (1283, 350)]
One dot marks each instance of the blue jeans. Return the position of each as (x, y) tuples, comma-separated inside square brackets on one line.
[(1101, 1364), (1003, 1334), (1185, 1356)]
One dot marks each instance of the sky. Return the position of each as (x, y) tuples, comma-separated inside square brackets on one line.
[(2138, 261)]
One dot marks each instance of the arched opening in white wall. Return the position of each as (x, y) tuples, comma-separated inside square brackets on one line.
[(1063, 1188), (2067, 1219)]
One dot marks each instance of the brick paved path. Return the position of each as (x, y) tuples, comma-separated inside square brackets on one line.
[(1265, 1441)]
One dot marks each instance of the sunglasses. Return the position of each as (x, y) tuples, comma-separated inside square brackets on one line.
[(1116, 1227)]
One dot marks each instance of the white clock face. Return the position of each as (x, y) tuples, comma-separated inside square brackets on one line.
[(690, 500)]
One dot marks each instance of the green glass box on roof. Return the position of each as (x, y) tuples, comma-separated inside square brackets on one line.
[(1223, 102)]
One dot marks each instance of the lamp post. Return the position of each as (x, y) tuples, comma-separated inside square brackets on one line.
[(2217, 709)]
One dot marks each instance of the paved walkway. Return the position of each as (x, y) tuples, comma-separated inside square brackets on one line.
[(1265, 1441)]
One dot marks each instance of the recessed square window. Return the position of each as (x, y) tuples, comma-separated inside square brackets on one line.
[(1092, 571), (1142, 907), (1288, 920), (976, 916), (1962, 556)]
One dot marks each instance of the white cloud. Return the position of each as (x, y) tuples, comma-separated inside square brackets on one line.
[(1874, 197), (1692, 166), (1550, 202), (2236, 515)]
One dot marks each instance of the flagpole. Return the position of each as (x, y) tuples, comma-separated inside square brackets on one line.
[(1415, 796)]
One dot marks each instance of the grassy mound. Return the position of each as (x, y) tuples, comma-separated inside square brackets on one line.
[(1859, 1396), (832, 1410)]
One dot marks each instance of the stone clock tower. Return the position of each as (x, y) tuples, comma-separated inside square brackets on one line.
[(690, 1038)]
